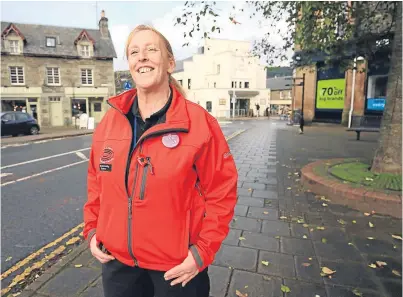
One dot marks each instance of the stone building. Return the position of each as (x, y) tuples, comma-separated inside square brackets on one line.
[(57, 73), (220, 70), (280, 94)]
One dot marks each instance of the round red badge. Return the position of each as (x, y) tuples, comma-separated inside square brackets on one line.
[(170, 140)]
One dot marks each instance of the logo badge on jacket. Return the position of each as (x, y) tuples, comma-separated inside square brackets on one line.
[(170, 140), (106, 157)]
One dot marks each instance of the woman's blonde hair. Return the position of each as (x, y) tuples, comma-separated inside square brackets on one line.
[(168, 48)]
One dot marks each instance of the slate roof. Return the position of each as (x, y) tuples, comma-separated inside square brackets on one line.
[(279, 83), (35, 40)]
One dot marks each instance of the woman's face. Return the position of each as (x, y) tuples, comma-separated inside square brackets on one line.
[(149, 63)]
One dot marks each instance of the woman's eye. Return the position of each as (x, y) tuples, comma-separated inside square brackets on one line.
[(133, 52), (152, 49)]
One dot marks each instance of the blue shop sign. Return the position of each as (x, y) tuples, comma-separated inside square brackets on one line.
[(376, 104)]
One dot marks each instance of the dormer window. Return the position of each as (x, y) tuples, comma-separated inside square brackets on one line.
[(14, 46), (85, 50), (13, 40), (50, 42), (85, 45)]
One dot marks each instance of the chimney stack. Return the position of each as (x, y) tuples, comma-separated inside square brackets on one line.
[(103, 25)]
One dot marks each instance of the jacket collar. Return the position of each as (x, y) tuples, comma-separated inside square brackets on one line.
[(176, 116)]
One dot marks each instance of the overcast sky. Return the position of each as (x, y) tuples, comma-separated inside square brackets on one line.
[(123, 16)]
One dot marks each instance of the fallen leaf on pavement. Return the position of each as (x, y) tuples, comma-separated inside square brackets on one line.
[(381, 263), (371, 238), (369, 179), (16, 294), (266, 278), (8, 259), (372, 265), (327, 271), (320, 228), (289, 188), (306, 264), (324, 240), (357, 293), (324, 204), (246, 287), (366, 214), (266, 212), (304, 237), (371, 225), (266, 263), (78, 265), (395, 272), (341, 221), (285, 289), (242, 238), (283, 218), (354, 222), (300, 221), (239, 294), (277, 237), (310, 259), (397, 237), (250, 189), (350, 243)]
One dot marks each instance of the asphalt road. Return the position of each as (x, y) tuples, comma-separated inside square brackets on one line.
[(43, 189)]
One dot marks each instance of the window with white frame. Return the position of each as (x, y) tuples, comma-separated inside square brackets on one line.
[(16, 75), (53, 75), (14, 46), (86, 76), (85, 50), (223, 101), (50, 41)]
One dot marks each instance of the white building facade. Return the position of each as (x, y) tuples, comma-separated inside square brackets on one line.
[(220, 69)]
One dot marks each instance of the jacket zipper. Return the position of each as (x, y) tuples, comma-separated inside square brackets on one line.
[(130, 197), (146, 163)]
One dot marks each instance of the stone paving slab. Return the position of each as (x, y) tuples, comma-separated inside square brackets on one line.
[(281, 235)]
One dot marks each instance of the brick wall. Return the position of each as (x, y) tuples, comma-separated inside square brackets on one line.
[(310, 92)]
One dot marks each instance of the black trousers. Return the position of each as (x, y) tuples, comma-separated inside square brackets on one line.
[(120, 280)]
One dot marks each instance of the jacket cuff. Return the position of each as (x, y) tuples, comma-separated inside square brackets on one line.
[(90, 235), (197, 257)]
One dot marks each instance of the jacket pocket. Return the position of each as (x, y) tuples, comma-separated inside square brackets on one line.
[(145, 162)]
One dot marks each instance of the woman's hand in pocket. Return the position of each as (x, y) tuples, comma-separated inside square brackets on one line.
[(97, 253)]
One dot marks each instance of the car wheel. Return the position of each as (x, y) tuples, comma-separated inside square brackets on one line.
[(34, 130)]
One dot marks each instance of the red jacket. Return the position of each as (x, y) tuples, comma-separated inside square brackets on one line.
[(182, 186)]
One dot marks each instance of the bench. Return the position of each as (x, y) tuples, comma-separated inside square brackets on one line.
[(365, 124)]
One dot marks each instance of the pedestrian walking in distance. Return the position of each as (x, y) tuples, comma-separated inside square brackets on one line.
[(257, 109), (162, 183), (301, 124)]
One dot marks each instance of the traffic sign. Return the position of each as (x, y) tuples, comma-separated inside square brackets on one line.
[(127, 85)]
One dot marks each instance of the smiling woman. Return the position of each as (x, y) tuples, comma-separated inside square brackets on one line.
[(162, 183)]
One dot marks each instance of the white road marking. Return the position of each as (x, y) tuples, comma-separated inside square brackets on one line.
[(81, 155), (44, 158), (5, 174), (42, 173)]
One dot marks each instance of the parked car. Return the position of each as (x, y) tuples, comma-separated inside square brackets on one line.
[(15, 123)]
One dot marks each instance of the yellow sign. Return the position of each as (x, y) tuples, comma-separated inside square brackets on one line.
[(330, 94)]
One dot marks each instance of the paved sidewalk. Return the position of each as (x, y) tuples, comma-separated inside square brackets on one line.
[(281, 236), (44, 134)]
